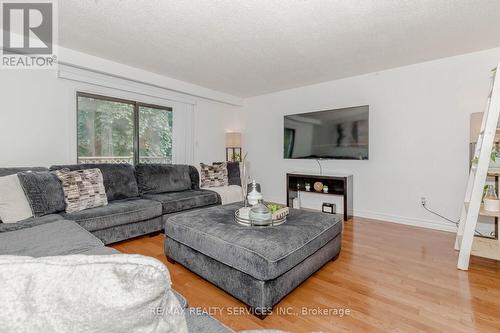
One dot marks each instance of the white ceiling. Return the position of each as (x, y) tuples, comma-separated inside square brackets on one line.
[(252, 47)]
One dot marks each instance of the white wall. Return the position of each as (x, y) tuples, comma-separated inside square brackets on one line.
[(34, 123), (419, 118), (212, 121), (418, 130), (38, 118)]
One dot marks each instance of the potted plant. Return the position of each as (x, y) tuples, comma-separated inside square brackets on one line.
[(490, 199), (493, 157), (236, 157)]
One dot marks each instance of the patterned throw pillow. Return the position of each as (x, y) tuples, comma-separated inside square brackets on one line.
[(83, 189), (214, 175)]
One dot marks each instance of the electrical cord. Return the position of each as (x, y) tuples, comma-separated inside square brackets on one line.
[(447, 219), (320, 167)]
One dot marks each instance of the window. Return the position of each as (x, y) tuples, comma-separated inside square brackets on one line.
[(155, 135), (112, 130)]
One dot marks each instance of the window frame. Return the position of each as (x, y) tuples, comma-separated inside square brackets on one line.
[(136, 105)]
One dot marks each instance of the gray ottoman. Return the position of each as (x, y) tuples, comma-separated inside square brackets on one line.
[(259, 266)]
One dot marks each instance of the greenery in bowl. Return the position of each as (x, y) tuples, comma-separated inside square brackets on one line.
[(273, 207)]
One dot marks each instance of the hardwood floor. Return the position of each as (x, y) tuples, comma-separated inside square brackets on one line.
[(392, 278)]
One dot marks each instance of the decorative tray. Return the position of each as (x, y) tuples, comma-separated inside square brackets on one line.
[(278, 218)]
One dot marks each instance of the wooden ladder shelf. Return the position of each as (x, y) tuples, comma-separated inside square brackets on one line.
[(466, 242)]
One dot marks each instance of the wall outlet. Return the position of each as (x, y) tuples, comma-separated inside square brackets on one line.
[(423, 201)]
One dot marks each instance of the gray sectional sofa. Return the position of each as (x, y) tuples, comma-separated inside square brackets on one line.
[(135, 208), (140, 198)]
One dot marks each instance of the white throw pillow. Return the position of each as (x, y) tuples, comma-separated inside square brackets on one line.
[(14, 205)]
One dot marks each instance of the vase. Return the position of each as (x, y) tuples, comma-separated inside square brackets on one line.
[(254, 196), (260, 214)]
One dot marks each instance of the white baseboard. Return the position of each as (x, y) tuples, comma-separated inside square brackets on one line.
[(429, 224), (416, 222)]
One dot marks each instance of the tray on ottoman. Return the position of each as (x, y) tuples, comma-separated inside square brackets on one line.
[(259, 266)]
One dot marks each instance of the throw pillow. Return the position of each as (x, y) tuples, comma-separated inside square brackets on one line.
[(14, 205), (233, 172), (214, 175), (194, 175), (119, 179), (83, 189), (44, 192)]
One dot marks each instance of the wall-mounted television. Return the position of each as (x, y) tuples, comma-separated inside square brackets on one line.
[(329, 134)]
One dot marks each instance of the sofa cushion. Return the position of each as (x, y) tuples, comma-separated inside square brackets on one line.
[(161, 178), (30, 222), (263, 253), (13, 171), (50, 239), (118, 212), (180, 201), (44, 192), (119, 179), (127, 231)]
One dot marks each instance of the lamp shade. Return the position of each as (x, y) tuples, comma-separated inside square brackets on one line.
[(233, 139)]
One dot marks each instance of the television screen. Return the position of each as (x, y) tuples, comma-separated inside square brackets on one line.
[(329, 134)]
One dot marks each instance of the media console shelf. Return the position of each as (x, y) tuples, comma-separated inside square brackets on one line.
[(338, 184)]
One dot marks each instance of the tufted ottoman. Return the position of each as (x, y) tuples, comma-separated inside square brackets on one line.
[(259, 266)]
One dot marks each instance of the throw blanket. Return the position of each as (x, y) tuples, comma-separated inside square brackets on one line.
[(81, 293)]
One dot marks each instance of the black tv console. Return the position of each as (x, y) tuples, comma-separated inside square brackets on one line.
[(338, 184)]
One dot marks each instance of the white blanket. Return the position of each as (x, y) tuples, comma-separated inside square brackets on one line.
[(228, 194), (78, 293)]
